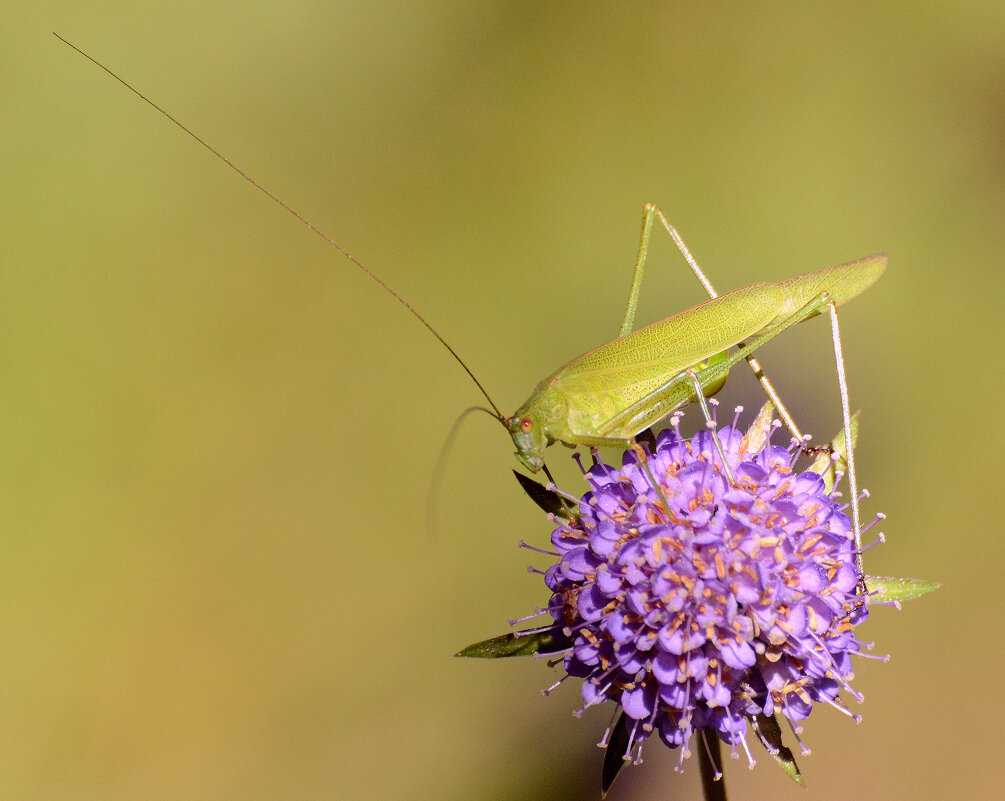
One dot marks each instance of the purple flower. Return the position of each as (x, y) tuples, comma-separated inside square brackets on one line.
[(705, 598), (697, 603)]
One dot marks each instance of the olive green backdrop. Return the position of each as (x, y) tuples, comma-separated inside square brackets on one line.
[(216, 580)]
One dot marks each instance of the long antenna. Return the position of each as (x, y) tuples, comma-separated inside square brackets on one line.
[(299, 216)]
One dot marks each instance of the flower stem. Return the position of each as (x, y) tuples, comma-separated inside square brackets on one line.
[(710, 765)]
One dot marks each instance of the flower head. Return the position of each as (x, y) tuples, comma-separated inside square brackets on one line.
[(698, 598), (706, 586)]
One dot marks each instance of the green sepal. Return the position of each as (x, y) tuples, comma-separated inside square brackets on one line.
[(758, 432), (549, 500), (835, 459), (771, 737), (519, 643), (887, 588), (614, 754)]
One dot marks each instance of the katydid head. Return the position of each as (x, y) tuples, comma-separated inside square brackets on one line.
[(534, 425), (530, 439)]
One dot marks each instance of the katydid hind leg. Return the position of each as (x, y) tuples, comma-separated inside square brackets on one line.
[(842, 282), (856, 519), (678, 390), (652, 212)]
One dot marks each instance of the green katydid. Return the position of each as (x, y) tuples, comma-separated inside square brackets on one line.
[(611, 393), (615, 391)]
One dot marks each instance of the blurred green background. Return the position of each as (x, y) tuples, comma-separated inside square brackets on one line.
[(217, 436)]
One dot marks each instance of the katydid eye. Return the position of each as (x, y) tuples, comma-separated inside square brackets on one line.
[(526, 425)]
